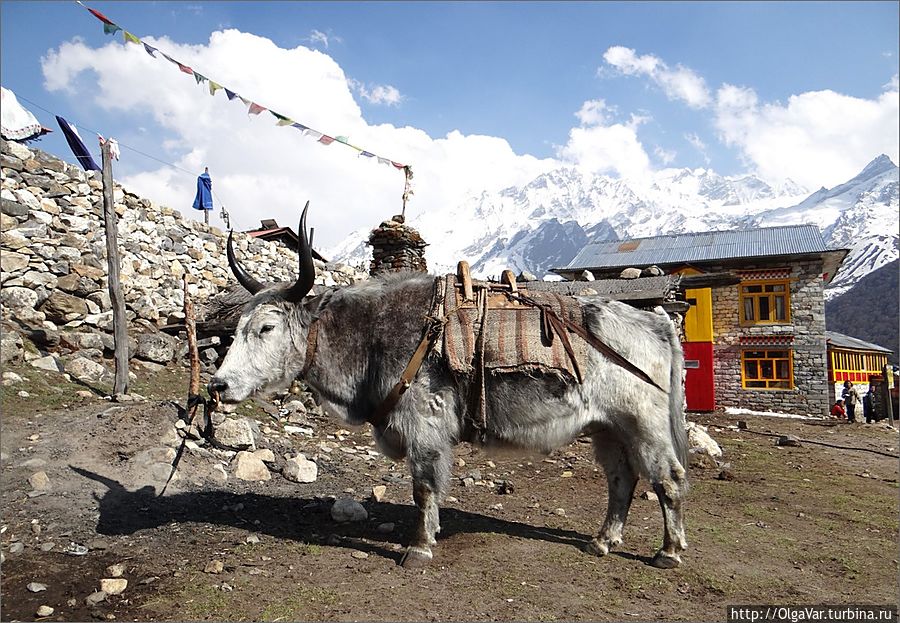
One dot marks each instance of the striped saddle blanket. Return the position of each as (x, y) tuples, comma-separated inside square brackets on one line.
[(502, 334)]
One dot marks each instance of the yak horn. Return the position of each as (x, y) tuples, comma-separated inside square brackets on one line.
[(307, 276), (243, 277)]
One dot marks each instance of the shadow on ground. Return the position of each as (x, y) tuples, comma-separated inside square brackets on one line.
[(124, 512)]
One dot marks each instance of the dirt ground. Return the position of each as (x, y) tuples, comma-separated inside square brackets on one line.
[(814, 524)]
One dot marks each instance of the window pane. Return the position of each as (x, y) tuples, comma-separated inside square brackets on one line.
[(755, 354), (761, 384), (779, 384), (767, 369), (764, 308), (775, 287), (779, 308), (783, 369), (753, 289), (748, 309), (750, 370)]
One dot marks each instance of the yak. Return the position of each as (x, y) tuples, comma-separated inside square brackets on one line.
[(350, 345)]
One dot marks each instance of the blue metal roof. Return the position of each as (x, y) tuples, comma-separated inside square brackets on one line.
[(700, 247)]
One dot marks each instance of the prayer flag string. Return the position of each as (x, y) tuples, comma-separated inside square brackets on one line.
[(253, 108)]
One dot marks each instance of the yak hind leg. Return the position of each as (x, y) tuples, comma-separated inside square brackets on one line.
[(431, 475), (670, 490), (621, 479)]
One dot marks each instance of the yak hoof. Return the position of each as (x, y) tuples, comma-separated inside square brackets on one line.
[(416, 558), (597, 548), (664, 560)]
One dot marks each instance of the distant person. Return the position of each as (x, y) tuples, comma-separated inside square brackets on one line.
[(838, 409), (868, 402), (851, 400)]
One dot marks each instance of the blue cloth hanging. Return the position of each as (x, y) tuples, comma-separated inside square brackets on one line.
[(77, 145), (203, 200)]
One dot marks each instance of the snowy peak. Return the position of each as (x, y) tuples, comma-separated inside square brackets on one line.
[(544, 223)]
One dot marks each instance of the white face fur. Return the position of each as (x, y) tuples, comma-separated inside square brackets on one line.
[(259, 358)]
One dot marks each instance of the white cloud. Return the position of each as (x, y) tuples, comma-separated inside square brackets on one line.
[(817, 138), (260, 170), (679, 83), (593, 112), (378, 94), (317, 37), (698, 144), (666, 156), (609, 149)]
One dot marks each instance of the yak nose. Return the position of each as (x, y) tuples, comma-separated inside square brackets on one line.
[(216, 386)]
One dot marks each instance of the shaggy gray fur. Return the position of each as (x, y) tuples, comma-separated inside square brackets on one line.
[(368, 332)]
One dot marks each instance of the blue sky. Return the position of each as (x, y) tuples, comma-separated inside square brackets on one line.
[(465, 88)]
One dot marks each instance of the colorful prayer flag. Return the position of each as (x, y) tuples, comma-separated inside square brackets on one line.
[(150, 49), (282, 120), (199, 77), (110, 28), (255, 109), (299, 126), (326, 140), (130, 38), (231, 94), (213, 86), (100, 16)]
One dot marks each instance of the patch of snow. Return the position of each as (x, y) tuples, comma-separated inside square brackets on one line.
[(737, 411)]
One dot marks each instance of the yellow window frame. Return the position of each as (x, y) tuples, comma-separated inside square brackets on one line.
[(768, 291), (767, 369)]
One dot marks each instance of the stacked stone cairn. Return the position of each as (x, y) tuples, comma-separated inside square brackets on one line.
[(396, 247), (54, 301)]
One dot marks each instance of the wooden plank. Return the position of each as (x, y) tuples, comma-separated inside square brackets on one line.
[(508, 278), (464, 276), (120, 331)]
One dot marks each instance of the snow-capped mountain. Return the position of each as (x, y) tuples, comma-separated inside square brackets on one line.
[(543, 224)]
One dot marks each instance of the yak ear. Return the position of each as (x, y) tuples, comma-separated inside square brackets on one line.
[(243, 277), (307, 277)]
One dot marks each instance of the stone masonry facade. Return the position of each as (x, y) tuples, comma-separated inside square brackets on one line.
[(804, 335)]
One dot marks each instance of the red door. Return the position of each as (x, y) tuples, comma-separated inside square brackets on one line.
[(699, 388)]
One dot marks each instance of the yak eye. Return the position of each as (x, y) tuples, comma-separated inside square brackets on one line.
[(266, 328)]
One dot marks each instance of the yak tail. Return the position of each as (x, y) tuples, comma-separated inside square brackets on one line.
[(676, 399)]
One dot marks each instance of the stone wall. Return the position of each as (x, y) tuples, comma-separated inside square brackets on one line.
[(396, 247), (53, 256), (806, 332)]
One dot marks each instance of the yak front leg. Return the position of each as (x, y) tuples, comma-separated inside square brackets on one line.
[(431, 475), (621, 480)]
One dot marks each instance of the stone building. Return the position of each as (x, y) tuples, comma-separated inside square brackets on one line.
[(759, 344)]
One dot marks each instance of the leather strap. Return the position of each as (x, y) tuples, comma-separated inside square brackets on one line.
[(312, 340), (379, 416), (556, 322)]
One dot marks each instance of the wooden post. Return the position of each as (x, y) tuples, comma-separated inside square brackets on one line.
[(194, 399), (120, 331), (886, 392)]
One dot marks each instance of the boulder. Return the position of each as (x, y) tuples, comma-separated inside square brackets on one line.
[(16, 298), (250, 467), (12, 262), (346, 510), (87, 371), (156, 347), (300, 469), (630, 273), (236, 433), (61, 307), (11, 347)]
